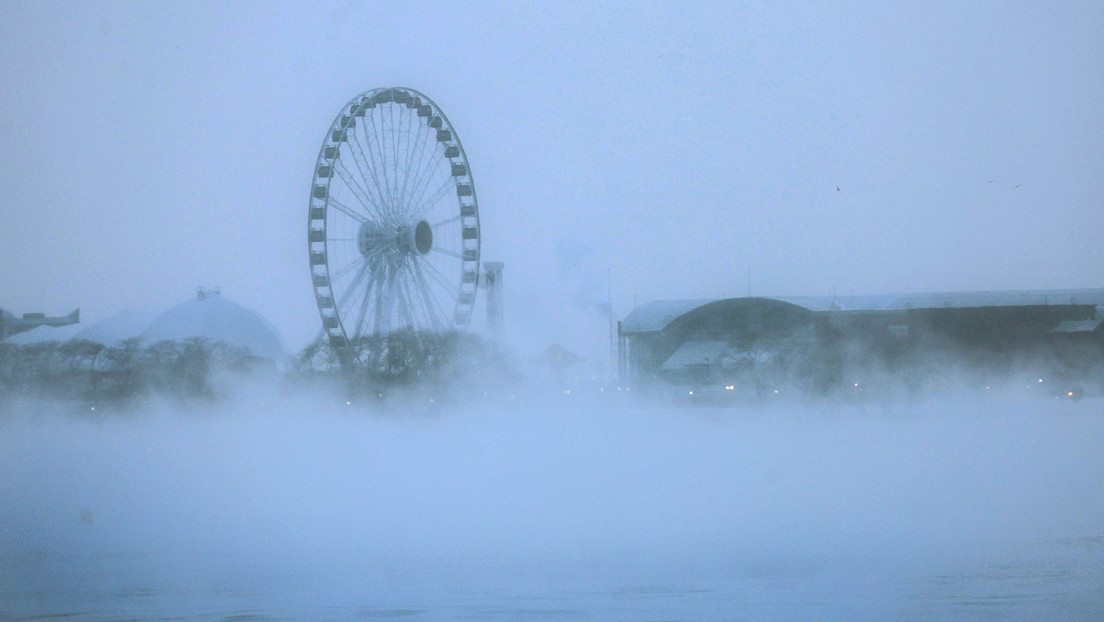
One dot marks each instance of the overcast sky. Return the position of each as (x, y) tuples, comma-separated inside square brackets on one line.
[(151, 148)]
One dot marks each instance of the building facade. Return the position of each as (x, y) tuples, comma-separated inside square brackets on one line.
[(823, 345)]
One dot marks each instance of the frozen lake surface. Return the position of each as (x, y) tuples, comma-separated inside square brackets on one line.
[(298, 508)]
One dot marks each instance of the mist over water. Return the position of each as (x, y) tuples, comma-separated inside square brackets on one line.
[(297, 506)]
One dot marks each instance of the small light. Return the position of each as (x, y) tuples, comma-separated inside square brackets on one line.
[(1040, 379), (691, 393), (1070, 394), (93, 408), (776, 391)]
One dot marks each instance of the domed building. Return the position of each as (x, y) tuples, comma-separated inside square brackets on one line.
[(212, 317)]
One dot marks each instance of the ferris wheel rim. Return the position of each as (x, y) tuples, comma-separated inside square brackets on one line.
[(394, 240)]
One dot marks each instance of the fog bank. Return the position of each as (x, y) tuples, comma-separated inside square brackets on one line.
[(298, 506)]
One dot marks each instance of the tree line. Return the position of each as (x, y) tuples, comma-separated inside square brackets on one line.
[(79, 369)]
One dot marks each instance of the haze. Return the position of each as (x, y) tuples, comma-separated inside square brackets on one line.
[(300, 506), (622, 152), (150, 148)]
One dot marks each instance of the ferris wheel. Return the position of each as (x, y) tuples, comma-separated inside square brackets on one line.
[(393, 222)]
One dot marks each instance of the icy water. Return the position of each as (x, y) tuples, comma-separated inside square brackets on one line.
[(293, 508)]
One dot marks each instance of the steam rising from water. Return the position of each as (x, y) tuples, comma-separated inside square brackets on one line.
[(556, 508)]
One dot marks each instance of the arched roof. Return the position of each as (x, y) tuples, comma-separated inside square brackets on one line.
[(659, 314), (215, 318), (663, 314)]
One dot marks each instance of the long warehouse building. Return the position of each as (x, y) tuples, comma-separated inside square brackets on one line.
[(818, 345)]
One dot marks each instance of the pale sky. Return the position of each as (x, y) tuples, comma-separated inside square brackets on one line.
[(149, 148)]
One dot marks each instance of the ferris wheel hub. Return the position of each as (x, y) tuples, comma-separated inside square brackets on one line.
[(372, 238), (421, 237)]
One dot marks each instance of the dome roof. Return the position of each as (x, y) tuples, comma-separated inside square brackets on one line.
[(117, 328), (212, 317)]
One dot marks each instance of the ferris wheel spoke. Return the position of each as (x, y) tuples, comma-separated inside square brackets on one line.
[(386, 303), (396, 145), (426, 167), (405, 302), (417, 314), (366, 163), (347, 268), (436, 315), (422, 200), (445, 251), (363, 175), (361, 313), (425, 206), (352, 288), (412, 153), (442, 280), (415, 150), (348, 211), (447, 221), (377, 297), (433, 168), (367, 170), (363, 307), (427, 158), (366, 160), (377, 287), (403, 130), (380, 136), (350, 292), (386, 139), (395, 136), (371, 206)]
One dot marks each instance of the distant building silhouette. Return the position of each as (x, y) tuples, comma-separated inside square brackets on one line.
[(13, 325)]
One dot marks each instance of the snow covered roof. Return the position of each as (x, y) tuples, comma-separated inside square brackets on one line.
[(215, 318), (117, 328), (45, 334), (952, 300), (656, 315), (696, 353), (1077, 326), (210, 316)]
